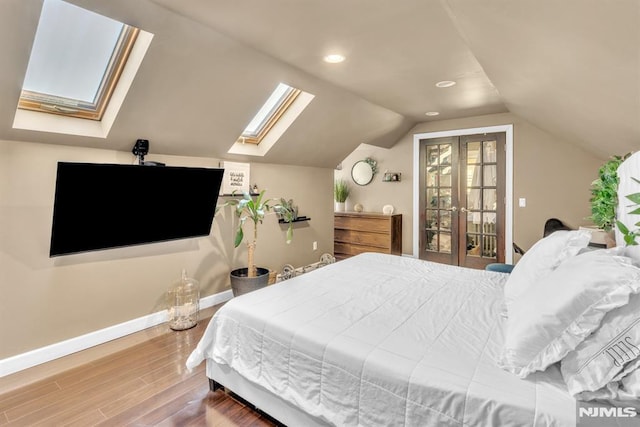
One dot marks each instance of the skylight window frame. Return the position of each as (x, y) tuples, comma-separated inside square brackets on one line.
[(271, 118), (53, 104)]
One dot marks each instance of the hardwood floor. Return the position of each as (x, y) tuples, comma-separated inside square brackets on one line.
[(145, 384)]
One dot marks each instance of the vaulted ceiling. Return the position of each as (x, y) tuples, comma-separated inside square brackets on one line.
[(570, 67)]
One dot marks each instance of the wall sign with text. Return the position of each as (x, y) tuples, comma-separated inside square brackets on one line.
[(236, 178)]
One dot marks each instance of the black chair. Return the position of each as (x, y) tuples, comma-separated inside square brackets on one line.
[(553, 224)]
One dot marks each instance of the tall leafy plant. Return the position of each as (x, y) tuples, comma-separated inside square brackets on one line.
[(604, 194), (253, 209)]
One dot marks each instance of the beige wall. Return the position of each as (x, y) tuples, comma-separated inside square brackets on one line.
[(553, 175), (45, 300)]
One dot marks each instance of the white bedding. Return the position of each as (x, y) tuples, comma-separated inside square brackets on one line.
[(382, 340)]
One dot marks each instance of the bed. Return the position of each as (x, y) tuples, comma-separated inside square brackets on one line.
[(379, 340), (385, 340)]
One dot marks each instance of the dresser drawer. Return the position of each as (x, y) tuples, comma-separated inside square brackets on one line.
[(380, 225), (362, 238), (350, 249)]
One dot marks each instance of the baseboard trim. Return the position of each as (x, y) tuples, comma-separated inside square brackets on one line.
[(51, 352)]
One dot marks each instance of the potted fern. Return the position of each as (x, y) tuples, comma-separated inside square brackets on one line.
[(252, 209), (340, 193)]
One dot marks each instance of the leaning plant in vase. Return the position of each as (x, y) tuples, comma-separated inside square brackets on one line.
[(254, 209)]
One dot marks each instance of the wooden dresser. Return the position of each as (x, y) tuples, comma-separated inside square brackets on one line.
[(355, 233)]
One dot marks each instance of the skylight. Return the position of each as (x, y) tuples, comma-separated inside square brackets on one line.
[(279, 101), (76, 60), (282, 108)]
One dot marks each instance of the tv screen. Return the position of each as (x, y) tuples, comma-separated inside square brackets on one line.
[(101, 206)]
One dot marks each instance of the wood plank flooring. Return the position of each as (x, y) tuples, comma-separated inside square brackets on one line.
[(146, 384)]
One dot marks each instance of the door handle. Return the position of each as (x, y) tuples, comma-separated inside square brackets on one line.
[(453, 208), (463, 210)]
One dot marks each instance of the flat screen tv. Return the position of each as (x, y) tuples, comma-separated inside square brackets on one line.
[(102, 206)]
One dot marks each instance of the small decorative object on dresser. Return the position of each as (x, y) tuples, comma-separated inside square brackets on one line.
[(356, 233), (358, 207), (387, 209)]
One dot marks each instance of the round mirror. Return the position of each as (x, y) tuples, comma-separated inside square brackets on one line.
[(362, 173)]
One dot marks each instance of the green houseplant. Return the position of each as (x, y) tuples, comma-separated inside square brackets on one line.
[(340, 193), (252, 209), (604, 194), (628, 234)]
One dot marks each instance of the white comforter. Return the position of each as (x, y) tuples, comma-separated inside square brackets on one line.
[(382, 340)]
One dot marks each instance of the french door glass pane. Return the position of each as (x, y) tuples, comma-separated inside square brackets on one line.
[(489, 223), (490, 175), (474, 224), (489, 152), (432, 177), (489, 199), (445, 154), (473, 244), (445, 198), (474, 178), (431, 219), (432, 198), (474, 201), (473, 153), (445, 242), (445, 176), (433, 155), (489, 246), (445, 220), (432, 240)]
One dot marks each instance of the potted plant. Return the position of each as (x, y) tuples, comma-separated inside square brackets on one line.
[(252, 209), (604, 195), (287, 211), (340, 193)]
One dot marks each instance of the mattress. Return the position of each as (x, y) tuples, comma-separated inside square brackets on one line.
[(384, 340)]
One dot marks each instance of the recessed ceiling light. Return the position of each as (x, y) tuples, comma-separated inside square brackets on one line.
[(445, 83), (431, 113), (334, 58)]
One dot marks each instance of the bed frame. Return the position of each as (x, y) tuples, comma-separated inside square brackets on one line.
[(257, 398)]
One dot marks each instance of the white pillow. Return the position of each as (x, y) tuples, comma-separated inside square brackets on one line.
[(543, 257), (633, 252), (608, 354), (559, 311), (624, 392)]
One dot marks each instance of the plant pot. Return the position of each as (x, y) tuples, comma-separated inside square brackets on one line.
[(242, 284), (339, 206)]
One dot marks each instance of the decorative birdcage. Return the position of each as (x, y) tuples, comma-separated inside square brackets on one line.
[(183, 303)]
